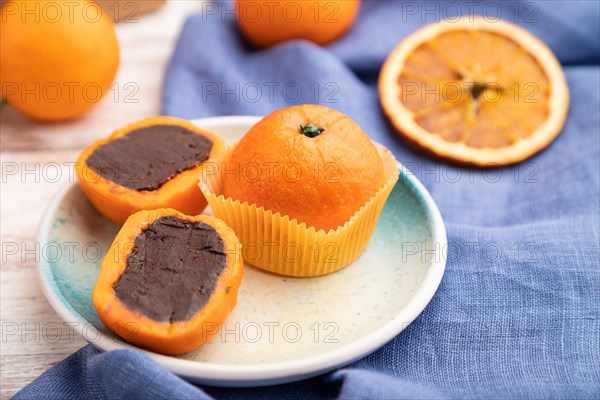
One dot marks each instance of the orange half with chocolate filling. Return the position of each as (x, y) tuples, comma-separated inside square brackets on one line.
[(150, 164), (169, 280)]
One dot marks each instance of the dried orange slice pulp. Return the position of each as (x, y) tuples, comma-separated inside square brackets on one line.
[(475, 91)]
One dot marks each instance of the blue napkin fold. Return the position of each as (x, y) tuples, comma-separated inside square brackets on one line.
[(518, 312)]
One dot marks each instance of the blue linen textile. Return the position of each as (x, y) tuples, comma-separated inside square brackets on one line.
[(517, 314)]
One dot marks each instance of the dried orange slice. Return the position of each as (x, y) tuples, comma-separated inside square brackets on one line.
[(475, 91)]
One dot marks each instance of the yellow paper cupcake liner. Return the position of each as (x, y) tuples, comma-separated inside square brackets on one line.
[(277, 244)]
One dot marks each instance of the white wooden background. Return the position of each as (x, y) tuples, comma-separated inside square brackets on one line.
[(33, 336)]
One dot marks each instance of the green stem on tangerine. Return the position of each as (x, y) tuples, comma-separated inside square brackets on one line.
[(311, 130)]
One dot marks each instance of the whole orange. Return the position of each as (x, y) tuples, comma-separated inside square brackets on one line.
[(58, 58), (308, 162), (268, 22)]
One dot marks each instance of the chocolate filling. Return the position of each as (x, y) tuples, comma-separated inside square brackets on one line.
[(172, 270), (146, 158)]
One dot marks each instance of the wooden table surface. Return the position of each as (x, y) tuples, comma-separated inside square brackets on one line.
[(35, 161)]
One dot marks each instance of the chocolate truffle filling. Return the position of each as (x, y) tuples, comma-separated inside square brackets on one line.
[(172, 270), (146, 158)]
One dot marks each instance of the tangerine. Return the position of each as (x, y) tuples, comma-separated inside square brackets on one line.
[(309, 162), (58, 59), (268, 22)]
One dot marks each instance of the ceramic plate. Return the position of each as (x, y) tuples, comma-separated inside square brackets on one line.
[(283, 329)]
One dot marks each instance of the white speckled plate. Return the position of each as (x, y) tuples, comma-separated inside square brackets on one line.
[(283, 329)]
